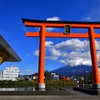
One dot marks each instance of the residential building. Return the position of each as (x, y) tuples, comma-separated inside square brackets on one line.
[(23, 77), (54, 76), (64, 78), (9, 73)]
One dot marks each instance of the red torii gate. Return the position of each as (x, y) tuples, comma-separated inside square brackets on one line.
[(61, 24)]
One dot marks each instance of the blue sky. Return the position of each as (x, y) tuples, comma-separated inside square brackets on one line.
[(13, 30)]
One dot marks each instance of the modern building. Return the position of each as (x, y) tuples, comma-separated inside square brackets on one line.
[(10, 73), (54, 76)]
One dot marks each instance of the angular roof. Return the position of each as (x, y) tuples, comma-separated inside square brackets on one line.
[(13, 57)]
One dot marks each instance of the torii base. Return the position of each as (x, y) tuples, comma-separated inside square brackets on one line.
[(96, 86), (40, 87), (90, 91), (94, 90)]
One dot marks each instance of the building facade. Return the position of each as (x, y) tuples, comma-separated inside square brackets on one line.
[(10, 73), (54, 76)]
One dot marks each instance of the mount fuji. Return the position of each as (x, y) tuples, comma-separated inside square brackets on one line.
[(78, 70)]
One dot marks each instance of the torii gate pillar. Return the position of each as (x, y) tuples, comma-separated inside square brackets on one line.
[(41, 84), (96, 83)]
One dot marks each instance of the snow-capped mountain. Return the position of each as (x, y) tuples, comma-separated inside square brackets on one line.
[(73, 70)]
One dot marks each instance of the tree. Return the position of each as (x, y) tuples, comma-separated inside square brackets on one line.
[(91, 78), (86, 78), (47, 75), (26, 78)]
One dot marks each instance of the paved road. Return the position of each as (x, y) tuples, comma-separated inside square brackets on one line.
[(75, 95), (49, 98)]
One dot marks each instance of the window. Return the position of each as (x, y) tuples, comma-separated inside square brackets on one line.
[(6, 77), (7, 74)]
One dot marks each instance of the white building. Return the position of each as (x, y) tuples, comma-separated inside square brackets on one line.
[(55, 76), (10, 73)]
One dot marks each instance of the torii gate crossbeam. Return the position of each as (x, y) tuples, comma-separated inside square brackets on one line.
[(61, 24)]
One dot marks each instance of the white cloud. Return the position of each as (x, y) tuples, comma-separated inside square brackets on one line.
[(48, 43), (29, 54), (70, 52), (98, 45), (86, 19), (62, 61), (55, 18), (73, 44), (54, 54), (78, 58), (51, 57), (36, 53), (98, 55)]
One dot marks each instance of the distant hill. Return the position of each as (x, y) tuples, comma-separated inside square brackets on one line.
[(73, 70)]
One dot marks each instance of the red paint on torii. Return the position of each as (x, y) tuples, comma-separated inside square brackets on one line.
[(61, 24)]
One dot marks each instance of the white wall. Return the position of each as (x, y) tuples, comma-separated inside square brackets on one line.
[(10, 73)]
